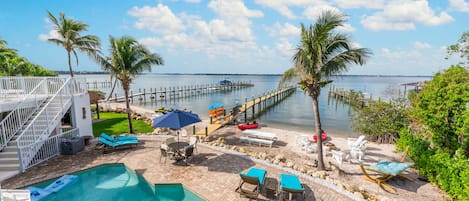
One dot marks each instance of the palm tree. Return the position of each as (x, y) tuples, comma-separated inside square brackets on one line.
[(127, 59), (321, 54), (69, 37)]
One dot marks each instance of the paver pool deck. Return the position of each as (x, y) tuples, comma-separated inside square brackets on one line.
[(211, 173)]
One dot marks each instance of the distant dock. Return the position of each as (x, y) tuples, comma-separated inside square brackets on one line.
[(177, 92)]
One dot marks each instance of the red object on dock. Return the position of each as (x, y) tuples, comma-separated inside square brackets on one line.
[(314, 137), (248, 126)]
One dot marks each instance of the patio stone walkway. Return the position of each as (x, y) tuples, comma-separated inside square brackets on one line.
[(212, 174)]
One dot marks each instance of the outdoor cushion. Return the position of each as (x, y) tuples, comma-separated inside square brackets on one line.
[(391, 168), (290, 182), (117, 143), (256, 172), (110, 138)]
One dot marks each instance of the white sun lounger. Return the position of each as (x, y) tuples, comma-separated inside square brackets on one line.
[(256, 140), (259, 134)]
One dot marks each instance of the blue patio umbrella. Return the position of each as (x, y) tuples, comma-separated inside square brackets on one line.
[(175, 119), (215, 106)]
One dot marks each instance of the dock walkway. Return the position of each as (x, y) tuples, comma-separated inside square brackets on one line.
[(276, 96)]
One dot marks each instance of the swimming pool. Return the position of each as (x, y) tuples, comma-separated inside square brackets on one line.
[(117, 182)]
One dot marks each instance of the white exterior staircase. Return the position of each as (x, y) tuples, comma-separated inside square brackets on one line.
[(30, 133)]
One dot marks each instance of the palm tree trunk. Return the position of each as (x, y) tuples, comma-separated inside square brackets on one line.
[(317, 122), (70, 64), (127, 104), (112, 90)]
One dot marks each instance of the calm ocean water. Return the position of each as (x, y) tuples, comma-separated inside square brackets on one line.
[(294, 113)]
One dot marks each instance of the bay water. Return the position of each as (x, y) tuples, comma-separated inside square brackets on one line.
[(293, 113)]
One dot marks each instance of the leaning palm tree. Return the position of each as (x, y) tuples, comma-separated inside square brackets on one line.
[(321, 54), (127, 59), (70, 38)]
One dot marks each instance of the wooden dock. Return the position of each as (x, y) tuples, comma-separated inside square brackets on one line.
[(261, 102), (176, 92), (354, 98)]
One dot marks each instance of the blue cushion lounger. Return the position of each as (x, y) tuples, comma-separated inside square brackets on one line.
[(290, 184), (110, 138), (61, 182), (37, 193), (117, 144), (254, 176)]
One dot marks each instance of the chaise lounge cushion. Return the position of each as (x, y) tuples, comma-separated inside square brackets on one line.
[(119, 138), (290, 183), (255, 172), (391, 168)]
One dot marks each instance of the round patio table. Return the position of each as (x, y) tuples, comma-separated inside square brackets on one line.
[(178, 148)]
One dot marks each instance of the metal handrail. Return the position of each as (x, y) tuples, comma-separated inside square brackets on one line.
[(13, 122), (21, 141)]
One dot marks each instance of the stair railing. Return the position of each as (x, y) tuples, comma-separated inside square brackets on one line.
[(28, 104)]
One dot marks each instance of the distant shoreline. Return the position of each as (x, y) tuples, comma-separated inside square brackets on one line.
[(228, 74)]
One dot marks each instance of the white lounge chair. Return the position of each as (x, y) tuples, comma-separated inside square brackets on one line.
[(354, 142), (259, 134), (256, 140), (358, 152)]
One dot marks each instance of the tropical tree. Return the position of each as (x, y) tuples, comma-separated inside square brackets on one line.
[(70, 38), (461, 48), (127, 59), (322, 52), (5, 52)]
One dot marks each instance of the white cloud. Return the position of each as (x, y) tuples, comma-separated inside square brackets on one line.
[(313, 12), (346, 28), (192, 1), (422, 45), (51, 34), (159, 19), (459, 5), (403, 14), (284, 47), (283, 6), (285, 29), (360, 3), (229, 33)]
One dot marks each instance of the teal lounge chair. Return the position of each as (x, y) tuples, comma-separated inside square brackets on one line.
[(117, 144), (255, 177), (290, 184), (118, 138)]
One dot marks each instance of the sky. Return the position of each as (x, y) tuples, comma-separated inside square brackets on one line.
[(407, 37)]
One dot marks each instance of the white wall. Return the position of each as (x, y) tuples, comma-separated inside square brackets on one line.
[(84, 125)]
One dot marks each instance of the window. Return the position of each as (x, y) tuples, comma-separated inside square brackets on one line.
[(84, 112)]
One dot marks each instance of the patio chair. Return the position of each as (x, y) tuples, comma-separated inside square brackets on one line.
[(165, 152), (387, 171), (358, 151), (290, 184), (354, 142), (193, 141), (109, 145), (255, 177), (118, 138), (170, 140), (188, 152)]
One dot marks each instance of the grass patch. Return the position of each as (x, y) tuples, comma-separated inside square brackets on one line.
[(116, 123)]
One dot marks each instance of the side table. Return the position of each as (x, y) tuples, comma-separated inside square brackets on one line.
[(271, 187)]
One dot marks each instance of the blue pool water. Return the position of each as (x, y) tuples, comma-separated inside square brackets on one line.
[(115, 182)]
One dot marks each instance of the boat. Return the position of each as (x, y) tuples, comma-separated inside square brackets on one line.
[(314, 138), (248, 126)]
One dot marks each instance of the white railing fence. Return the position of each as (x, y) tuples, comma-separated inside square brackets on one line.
[(38, 152), (27, 104), (14, 195), (42, 125)]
